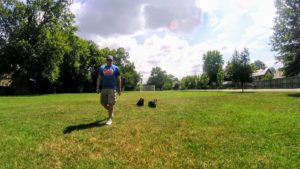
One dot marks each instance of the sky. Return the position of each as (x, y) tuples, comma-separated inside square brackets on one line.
[(174, 34)]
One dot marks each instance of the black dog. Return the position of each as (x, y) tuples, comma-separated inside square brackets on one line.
[(140, 102), (152, 103)]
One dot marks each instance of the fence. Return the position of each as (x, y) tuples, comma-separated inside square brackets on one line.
[(289, 82)]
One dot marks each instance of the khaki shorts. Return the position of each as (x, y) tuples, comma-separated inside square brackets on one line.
[(108, 96)]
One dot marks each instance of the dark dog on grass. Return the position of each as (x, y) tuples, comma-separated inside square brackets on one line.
[(140, 102), (152, 103)]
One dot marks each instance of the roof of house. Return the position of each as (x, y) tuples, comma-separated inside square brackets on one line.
[(261, 72)]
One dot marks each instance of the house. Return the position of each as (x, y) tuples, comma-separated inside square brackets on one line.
[(261, 73)]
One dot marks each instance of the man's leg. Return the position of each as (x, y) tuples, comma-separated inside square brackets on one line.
[(106, 106), (110, 114), (111, 102), (104, 99), (110, 110)]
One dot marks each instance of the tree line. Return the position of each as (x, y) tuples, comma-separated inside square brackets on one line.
[(238, 69)]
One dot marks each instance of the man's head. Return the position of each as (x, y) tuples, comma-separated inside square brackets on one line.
[(109, 60)]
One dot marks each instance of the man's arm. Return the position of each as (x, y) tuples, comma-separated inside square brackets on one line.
[(119, 85), (98, 83)]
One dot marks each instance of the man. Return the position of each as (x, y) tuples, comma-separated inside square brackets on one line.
[(110, 80)]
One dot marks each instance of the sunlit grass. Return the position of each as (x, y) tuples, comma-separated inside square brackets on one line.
[(186, 130)]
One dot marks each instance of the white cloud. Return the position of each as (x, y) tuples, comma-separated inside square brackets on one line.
[(177, 15), (263, 20), (108, 18), (208, 5)]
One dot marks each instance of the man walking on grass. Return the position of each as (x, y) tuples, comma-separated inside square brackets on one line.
[(110, 80)]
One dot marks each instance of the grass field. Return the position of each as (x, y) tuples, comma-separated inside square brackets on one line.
[(186, 130)]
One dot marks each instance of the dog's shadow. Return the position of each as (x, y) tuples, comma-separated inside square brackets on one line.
[(98, 123)]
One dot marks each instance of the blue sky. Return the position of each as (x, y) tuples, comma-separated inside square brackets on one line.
[(174, 34)]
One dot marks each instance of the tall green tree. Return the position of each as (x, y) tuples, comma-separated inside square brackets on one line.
[(204, 78), (130, 77), (220, 78), (239, 68), (259, 64), (121, 57), (33, 41), (183, 83), (169, 82), (157, 77), (191, 82), (97, 58), (286, 36), (195, 82), (74, 70), (213, 61), (176, 84), (254, 67)]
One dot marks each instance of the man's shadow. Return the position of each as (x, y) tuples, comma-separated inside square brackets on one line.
[(294, 95), (98, 123)]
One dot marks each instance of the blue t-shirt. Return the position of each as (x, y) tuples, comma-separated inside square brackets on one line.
[(109, 76)]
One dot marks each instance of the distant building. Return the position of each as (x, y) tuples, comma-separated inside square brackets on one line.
[(261, 73), (227, 84)]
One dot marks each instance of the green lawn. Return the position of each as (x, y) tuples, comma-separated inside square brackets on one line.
[(186, 130)]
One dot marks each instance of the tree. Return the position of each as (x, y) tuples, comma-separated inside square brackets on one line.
[(161, 79), (286, 36), (33, 41), (254, 67), (191, 82), (184, 83), (195, 82), (128, 73), (130, 76), (121, 57), (212, 63), (74, 70), (170, 82), (268, 76), (97, 58), (239, 68), (157, 77), (204, 79), (176, 84), (258, 65), (220, 78)]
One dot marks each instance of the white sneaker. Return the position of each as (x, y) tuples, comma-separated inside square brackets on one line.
[(109, 121)]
